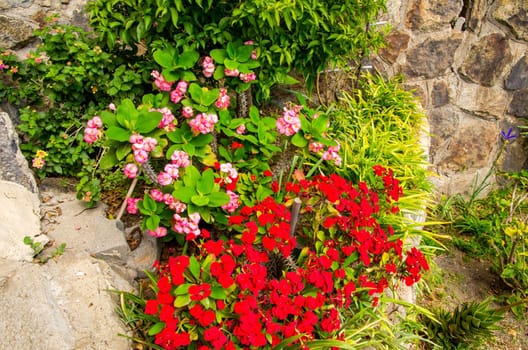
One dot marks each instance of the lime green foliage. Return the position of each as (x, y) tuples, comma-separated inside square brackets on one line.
[(305, 36), (466, 327), (494, 227)]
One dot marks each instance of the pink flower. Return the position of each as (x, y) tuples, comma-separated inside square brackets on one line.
[(160, 82), (203, 123), (228, 168), (95, 122), (315, 147), (135, 138), (241, 130), (172, 170), (233, 202), (187, 112), (130, 170), (290, 122), (164, 179), (156, 194), (208, 67), (112, 107), (38, 163), (158, 232), (132, 205), (332, 154), (140, 156), (247, 77), (91, 135), (180, 159), (188, 226), (167, 121), (231, 72), (175, 96), (149, 144), (181, 87), (223, 100)]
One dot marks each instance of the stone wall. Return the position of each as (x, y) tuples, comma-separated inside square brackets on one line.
[(468, 63), (466, 60)]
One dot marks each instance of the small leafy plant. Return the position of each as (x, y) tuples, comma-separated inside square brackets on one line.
[(38, 249)]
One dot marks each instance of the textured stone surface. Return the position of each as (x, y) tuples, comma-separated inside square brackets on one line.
[(439, 94), (461, 141), (395, 42), (519, 104), (482, 101), (19, 217), (486, 59), (514, 15), (15, 31), (6, 4), (518, 77), (431, 58), (13, 165), (428, 15)]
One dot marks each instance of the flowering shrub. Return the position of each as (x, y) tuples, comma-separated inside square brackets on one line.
[(246, 290)]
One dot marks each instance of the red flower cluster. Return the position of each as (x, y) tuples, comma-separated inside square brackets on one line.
[(226, 298)]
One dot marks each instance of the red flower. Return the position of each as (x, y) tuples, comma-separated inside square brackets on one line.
[(200, 291), (267, 173), (235, 145), (214, 247), (236, 220), (151, 307)]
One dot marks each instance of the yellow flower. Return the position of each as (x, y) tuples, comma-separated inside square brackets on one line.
[(41, 154)]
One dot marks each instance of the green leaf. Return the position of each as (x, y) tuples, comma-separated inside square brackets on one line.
[(194, 267), (191, 177), (218, 292), (182, 300), (230, 64), (209, 97), (184, 194), (218, 55), (217, 199), (108, 160), (176, 136), (243, 53), (195, 91), (148, 121), (187, 59), (200, 200), (123, 150), (206, 183), (202, 140), (152, 222), (109, 119), (118, 134), (164, 58), (320, 124), (156, 328), (149, 204), (299, 140), (127, 114), (182, 289)]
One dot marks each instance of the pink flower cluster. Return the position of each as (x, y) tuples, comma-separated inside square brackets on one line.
[(130, 170), (208, 67), (241, 130), (332, 153), (177, 94), (315, 147), (158, 232), (169, 200), (188, 226), (167, 121), (223, 100), (231, 72), (203, 123), (290, 122), (160, 82), (233, 202), (179, 159), (142, 147), (92, 132), (254, 52), (232, 173), (247, 77), (132, 205)]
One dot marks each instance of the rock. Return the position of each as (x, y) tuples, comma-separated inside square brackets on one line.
[(15, 31), (19, 217), (486, 59), (6, 4), (431, 58), (461, 141), (519, 104), (514, 15), (142, 258), (439, 94), (482, 101), (518, 77), (427, 15), (13, 165), (396, 42), (65, 305)]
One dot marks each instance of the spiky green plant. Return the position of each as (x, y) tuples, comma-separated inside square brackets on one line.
[(466, 327)]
